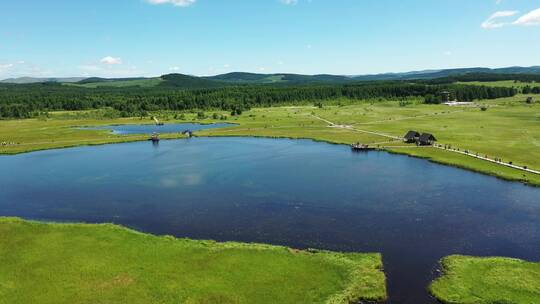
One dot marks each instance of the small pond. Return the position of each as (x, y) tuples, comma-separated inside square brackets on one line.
[(153, 128)]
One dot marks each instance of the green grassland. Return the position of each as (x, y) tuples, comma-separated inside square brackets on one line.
[(509, 129), (82, 263), (273, 79), (502, 83), (40, 134), (472, 280)]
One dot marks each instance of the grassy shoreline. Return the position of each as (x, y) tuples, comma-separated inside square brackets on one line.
[(509, 175), (471, 280), (105, 263), (450, 125)]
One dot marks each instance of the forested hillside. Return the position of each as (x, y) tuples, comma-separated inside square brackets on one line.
[(484, 77), (22, 101)]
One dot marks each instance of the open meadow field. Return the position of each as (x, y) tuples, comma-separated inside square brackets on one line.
[(78, 263), (502, 83), (469, 280), (17, 136)]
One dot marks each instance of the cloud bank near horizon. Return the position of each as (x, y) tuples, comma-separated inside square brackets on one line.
[(180, 3), (497, 19), (186, 3)]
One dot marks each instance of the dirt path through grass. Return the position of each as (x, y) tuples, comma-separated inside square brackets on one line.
[(439, 146), (333, 125)]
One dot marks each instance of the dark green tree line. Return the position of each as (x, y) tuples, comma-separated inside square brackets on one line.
[(22, 101)]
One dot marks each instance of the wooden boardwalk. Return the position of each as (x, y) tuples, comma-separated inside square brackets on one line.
[(488, 159)]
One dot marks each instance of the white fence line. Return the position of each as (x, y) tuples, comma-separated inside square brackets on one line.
[(439, 146)]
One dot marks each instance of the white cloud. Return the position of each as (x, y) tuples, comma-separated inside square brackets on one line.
[(6, 66), (531, 18), (448, 53), (180, 3), (289, 2), (111, 60), (494, 21), (17, 69), (174, 68)]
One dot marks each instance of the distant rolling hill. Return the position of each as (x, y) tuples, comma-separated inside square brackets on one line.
[(433, 74), (187, 81), (25, 80), (180, 81), (246, 78), (99, 79), (95, 82), (239, 78)]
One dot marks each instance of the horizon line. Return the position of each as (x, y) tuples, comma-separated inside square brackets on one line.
[(278, 73)]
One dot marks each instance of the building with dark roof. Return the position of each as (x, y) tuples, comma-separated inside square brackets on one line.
[(426, 139), (411, 137)]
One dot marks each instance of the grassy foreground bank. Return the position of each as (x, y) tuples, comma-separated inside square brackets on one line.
[(472, 280), (82, 263)]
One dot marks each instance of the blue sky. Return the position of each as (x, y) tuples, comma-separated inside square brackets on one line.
[(124, 38)]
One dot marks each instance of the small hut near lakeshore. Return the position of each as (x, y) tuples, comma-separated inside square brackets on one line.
[(189, 133), (411, 137), (426, 139), (154, 137)]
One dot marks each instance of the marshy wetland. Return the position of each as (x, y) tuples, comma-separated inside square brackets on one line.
[(269, 152), (296, 193)]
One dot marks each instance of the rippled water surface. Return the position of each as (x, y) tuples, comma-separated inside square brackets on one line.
[(291, 192)]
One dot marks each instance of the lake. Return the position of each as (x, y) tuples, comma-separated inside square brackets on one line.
[(153, 128), (297, 193)]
